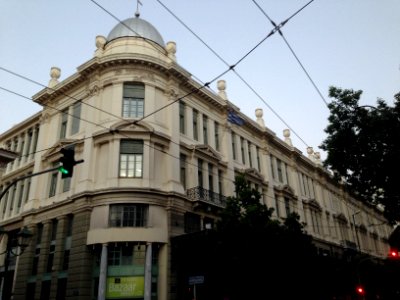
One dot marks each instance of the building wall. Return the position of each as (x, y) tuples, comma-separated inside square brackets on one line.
[(288, 180)]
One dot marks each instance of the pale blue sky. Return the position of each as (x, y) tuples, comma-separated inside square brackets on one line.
[(351, 44)]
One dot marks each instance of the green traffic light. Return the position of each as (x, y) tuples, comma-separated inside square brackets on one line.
[(62, 170)]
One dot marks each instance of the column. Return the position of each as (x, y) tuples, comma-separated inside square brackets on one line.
[(103, 273), (147, 273)]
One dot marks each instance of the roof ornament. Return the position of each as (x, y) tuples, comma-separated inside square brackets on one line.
[(137, 13)]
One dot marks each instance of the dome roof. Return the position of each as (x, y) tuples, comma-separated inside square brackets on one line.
[(138, 27)]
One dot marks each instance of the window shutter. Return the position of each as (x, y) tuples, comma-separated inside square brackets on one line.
[(134, 91), (131, 147)]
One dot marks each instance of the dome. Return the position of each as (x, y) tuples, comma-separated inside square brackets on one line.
[(138, 27)]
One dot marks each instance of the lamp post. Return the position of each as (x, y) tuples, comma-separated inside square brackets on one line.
[(14, 240), (355, 229)]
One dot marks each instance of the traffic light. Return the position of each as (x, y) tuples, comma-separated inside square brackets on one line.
[(67, 162), (394, 253), (360, 290)]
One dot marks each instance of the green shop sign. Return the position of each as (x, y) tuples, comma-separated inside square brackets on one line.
[(125, 287)]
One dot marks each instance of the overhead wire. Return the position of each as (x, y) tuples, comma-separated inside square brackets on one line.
[(276, 28), (53, 90), (231, 67), (292, 51), (234, 70)]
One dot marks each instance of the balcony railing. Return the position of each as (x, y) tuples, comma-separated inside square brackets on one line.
[(201, 194)]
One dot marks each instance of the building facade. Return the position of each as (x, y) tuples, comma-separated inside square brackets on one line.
[(160, 153)]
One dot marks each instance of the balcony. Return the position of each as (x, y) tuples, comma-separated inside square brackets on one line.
[(201, 194)]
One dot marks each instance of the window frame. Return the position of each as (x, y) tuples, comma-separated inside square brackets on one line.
[(128, 215), (127, 158), (133, 106)]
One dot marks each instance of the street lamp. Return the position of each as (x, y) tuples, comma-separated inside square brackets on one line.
[(20, 241), (355, 229)]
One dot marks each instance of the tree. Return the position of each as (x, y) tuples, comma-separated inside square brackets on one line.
[(258, 255), (363, 148)]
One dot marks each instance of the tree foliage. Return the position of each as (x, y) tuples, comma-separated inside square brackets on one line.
[(259, 254), (363, 148)]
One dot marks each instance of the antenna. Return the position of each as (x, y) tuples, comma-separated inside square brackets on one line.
[(137, 13)]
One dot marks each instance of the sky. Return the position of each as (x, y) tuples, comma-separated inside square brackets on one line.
[(348, 44)]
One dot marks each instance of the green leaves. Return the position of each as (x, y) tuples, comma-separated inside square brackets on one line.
[(363, 147)]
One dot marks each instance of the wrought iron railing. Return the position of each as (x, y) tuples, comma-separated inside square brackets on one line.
[(201, 194)]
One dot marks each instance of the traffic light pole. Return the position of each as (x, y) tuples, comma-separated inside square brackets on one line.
[(24, 177), (32, 175)]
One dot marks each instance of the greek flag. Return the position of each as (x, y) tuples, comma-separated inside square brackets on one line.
[(234, 118)]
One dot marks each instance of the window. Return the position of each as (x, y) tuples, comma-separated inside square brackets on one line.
[(52, 249), (22, 150), (35, 141), (76, 115), (53, 183), (205, 130), (195, 125), (131, 158), (200, 172), (12, 196), (182, 163), (133, 100), (271, 160), (315, 220), (35, 263), (258, 159), (28, 187), (182, 117), (216, 135), (287, 175), (287, 206), (128, 255), (220, 188), (61, 288), (66, 184), (128, 215), (233, 145), (249, 152), (242, 150), (210, 177), (279, 168), (20, 196), (64, 122), (28, 145), (277, 205), (67, 242)]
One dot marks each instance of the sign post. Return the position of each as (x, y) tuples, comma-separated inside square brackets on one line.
[(193, 280)]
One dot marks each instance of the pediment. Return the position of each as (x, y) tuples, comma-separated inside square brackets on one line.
[(53, 152), (341, 217), (207, 151), (254, 173), (312, 203), (285, 189), (131, 125)]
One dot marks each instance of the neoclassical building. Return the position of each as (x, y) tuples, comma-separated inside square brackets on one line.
[(161, 153)]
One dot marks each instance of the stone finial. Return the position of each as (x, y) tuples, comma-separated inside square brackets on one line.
[(286, 135), (310, 152), (100, 42), (259, 115), (221, 85), (55, 75), (171, 50), (317, 158)]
